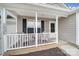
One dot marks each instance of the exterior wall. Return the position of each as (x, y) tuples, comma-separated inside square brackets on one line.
[(19, 23), (67, 28), (0, 34), (46, 26), (11, 26), (77, 28)]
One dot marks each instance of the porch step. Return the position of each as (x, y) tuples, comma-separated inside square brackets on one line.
[(30, 49)]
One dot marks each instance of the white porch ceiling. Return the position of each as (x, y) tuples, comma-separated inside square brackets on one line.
[(30, 9), (60, 5)]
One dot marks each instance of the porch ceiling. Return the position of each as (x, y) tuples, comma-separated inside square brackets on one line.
[(30, 9), (40, 14)]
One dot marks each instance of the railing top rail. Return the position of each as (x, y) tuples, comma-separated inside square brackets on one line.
[(30, 33), (16, 34)]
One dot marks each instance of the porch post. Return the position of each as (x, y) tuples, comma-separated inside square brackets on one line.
[(3, 19), (16, 25), (36, 30), (56, 29)]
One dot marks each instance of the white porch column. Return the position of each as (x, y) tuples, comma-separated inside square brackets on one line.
[(16, 25), (36, 30), (3, 19), (56, 29)]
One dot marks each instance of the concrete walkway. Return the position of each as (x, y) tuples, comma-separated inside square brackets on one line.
[(70, 49)]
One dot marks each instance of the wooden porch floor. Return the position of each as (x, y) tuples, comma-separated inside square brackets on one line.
[(30, 49)]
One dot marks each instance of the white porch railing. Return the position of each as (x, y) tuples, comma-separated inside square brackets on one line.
[(20, 40), (44, 38), (25, 40)]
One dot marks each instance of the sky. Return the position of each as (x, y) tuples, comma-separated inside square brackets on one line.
[(72, 5)]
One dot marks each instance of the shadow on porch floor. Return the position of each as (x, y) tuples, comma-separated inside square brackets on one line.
[(48, 52)]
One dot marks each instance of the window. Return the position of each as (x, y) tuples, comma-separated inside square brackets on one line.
[(24, 25), (52, 27), (42, 26), (31, 27), (32, 30)]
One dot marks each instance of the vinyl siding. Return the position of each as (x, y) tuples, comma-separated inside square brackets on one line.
[(77, 28), (67, 28), (19, 23)]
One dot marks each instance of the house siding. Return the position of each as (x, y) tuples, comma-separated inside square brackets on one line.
[(19, 23), (0, 35), (77, 28), (46, 26), (67, 28), (11, 27)]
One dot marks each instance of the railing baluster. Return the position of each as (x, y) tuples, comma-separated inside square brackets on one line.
[(27, 39), (40, 38), (20, 40), (8, 41), (13, 45), (11, 41), (32, 38), (44, 38), (23, 40), (15, 41)]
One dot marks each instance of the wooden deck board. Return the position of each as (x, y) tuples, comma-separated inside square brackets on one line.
[(31, 49)]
